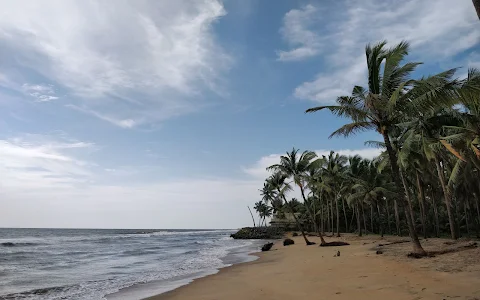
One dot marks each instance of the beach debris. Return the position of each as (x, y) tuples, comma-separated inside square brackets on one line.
[(379, 252), (338, 253), (334, 244), (267, 247), (287, 242)]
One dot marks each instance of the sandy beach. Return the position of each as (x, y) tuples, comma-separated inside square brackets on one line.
[(301, 272)]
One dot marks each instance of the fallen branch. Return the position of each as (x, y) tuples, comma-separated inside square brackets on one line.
[(334, 244), (445, 251), (393, 243)]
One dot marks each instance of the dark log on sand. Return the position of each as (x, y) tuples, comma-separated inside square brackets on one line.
[(440, 252), (334, 244)]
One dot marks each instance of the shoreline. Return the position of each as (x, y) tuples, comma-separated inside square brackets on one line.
[(259, 257), (301, 272), (237, 256)]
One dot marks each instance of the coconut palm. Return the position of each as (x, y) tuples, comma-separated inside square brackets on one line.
[(296, 166), (391, 92), (277, 183), (476, 4), (334, 171)]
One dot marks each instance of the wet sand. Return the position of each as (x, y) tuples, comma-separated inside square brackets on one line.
[(301, 272)]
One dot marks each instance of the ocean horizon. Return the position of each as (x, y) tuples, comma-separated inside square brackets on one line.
[(54, 263)]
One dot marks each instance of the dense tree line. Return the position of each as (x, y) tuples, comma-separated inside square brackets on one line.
[(426, 181)]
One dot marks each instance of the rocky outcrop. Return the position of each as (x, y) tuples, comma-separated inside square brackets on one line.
[(267, 247), (263, 233)]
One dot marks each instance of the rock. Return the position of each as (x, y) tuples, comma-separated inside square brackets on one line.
[(295, 234), (287, 242), (338, 253), (264, 233), (379, 252), (8, 244), (267, 247)]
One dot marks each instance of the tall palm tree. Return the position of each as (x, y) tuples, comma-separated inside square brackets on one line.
[(334, 171), (296, 166), (277, 183), (390, 93), (371, 188), (476, 4)]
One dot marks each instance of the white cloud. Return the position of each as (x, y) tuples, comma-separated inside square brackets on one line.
[(42, 92), (36, 161), (149, 59), (305, 42), (258, 170), (436, 29), (124, 123), (48, 181)]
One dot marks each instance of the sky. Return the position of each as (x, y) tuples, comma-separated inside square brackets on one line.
[(165, 114)]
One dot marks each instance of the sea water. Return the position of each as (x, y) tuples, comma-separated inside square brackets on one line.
[(111, 264)]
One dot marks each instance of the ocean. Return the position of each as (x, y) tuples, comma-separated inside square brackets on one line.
[(111, 264)]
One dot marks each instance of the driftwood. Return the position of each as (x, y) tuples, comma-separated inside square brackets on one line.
[(445, 251), (334, 244), (393, 243)]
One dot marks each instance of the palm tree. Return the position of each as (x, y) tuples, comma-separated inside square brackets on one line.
[(334, 171), (476, 4), (371, 188), (277, 183), (390, 93), (423, 132), (296, 167)]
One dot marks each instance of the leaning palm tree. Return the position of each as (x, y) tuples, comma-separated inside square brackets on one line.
[(277, 183), (476, 4), (296, 166), (391, 92)]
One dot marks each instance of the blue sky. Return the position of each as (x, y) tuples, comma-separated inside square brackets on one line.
[(164, 114)]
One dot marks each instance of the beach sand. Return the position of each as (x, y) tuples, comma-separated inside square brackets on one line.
[(301, 272)]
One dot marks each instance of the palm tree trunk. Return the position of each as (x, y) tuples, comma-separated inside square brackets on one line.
[(331, 219), (322, 217), (359, 223), (435, 212), (466, 216), (417, 247), (448, 199), (421, 198), (397, 217), (253, 219), (380, 220), (345, 215), (328, 215), (337, 210), (388, 217), (363, 217), (478, 212), (407, 196), (353, 217), (312, 216), (296, 219), (476, 4), (371, 218)]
